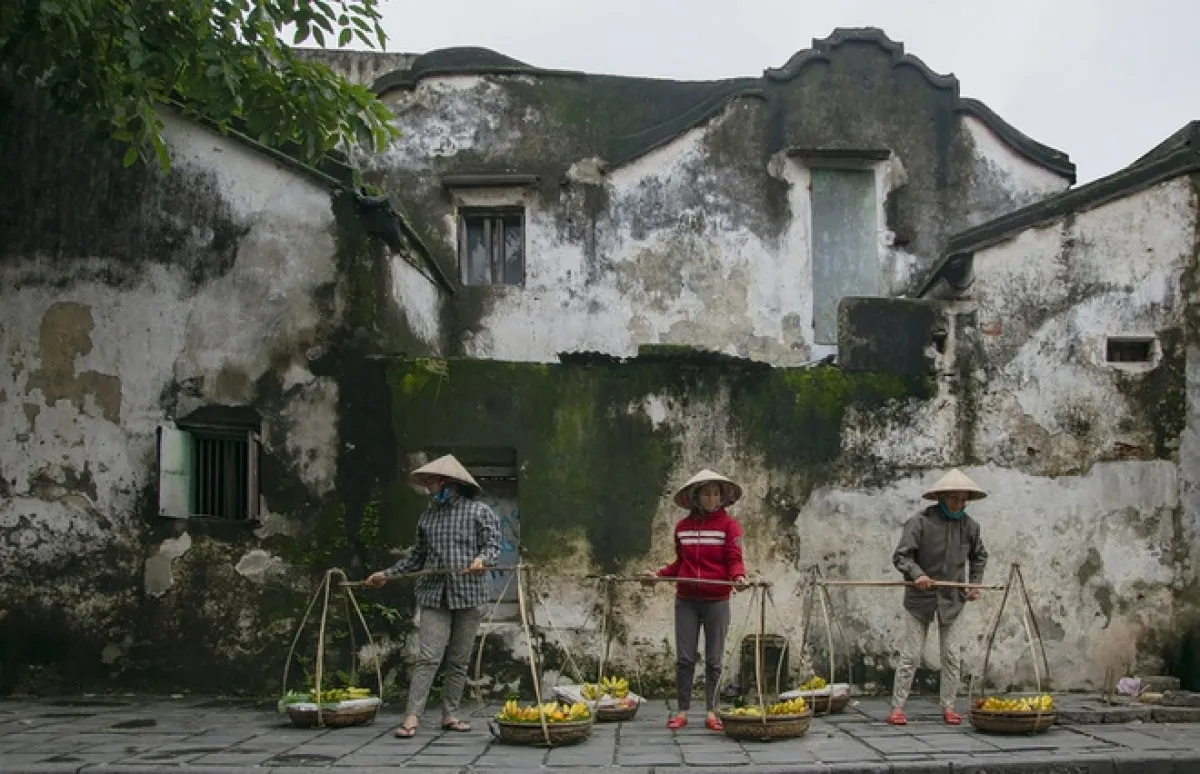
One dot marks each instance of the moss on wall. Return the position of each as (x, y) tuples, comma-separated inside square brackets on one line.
[(590, 457), (1160, 395)]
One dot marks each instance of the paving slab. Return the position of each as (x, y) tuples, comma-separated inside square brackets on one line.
[(207, 735)]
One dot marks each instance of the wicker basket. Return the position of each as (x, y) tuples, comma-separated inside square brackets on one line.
[(306, 717), (615, 714), (828, 705), (990, 722), (531, 734), (752, 728)]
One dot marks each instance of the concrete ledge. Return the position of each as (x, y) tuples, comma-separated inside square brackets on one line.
[(1176, 714)]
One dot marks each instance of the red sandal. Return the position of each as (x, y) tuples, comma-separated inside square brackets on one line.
[(677, 722), (951, 717), (714, 724), (896, 718)]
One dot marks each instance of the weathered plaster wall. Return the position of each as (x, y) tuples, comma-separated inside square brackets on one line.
[(360, 67), (1095, 475), (702, 237), (131, 299), (1090, 463)]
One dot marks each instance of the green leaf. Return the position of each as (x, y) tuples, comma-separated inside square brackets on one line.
[(344, 38), (131, 156)]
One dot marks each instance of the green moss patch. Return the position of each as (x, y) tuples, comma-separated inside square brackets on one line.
[(591, 460)]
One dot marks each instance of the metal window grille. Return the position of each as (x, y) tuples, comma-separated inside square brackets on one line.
[(221, 480)]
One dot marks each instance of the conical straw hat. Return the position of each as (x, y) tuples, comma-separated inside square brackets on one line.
[(448, 467), (730, 491), (955, 481)]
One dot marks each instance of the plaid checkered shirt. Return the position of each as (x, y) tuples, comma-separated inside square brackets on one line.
[(449, 537)]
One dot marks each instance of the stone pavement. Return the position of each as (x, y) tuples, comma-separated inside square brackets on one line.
[(216, 736)]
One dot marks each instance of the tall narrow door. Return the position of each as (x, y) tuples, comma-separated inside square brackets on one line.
[(501, 494)]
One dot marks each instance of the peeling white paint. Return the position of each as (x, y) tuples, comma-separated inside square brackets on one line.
[(258, 565), (1029, 181), (670, 261), (158, 576), (420, 301), (79, 469)]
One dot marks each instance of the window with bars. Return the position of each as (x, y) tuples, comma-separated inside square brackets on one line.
[(491, 246), (208, 472)]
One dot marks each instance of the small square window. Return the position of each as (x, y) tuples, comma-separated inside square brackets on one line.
[(1129, 349), (208, 473), (491, 247)]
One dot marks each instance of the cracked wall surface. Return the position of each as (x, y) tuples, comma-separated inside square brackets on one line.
[(131, 300), (703, 238)]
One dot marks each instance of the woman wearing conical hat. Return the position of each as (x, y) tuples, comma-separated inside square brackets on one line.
[(937, 544), (708, 546), (460, 535)]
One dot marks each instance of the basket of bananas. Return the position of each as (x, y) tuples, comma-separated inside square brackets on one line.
[(783, 720), (822, 697), (332, 707), (611, 699), (1017, 715), (565, 724)]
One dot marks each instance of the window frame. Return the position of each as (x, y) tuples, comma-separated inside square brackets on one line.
[(492, 214), (177, 446)]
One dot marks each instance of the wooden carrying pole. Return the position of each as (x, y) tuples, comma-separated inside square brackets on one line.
[(534, 667), (693, 581), (935, 585), (425, 573)]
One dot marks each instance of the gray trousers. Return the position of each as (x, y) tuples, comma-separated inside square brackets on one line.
[(912, 646), (449, 633), (690, 615)]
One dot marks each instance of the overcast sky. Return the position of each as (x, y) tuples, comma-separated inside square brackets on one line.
[(1103, 80)]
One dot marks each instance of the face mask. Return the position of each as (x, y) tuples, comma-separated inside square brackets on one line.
[(442, 496), (952, 515)]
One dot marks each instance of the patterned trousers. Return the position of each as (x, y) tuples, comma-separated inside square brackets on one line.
[(449, 633)]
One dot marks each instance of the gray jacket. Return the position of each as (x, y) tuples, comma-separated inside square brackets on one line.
[(939, 547)]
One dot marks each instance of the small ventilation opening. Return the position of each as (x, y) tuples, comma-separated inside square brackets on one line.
[(1130, 349)]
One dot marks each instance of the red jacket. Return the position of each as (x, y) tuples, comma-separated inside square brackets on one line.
[(707, 546)]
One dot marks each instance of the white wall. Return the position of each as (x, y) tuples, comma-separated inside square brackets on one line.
[(90, 365), (700, 274)]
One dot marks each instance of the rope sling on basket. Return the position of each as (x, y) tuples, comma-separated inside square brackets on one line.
[(1023, 714), (543, 724), (825, 696), (320, 707), (539, 724), (609, 698), (766, 722), (780, 720)]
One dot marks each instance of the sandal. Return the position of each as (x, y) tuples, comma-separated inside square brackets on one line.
[(405, 732), (455, 725), (677, 722), (714, 724)]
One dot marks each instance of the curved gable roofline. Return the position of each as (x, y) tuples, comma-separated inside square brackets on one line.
[(823, 50), (469, 60)]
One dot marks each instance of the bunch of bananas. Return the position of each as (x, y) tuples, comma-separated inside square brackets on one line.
[(814, 683), (334, 695), (796, 706), (1043, 703), (616, 687), (555, 712)]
